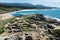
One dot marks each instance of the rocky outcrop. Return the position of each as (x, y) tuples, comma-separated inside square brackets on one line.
[(49, 20), (37, 17), (29, 23)]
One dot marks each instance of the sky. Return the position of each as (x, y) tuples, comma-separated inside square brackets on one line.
[(53, 3)]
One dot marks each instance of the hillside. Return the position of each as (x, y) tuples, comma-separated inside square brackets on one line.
[(26, 5), (4, 9), (29, 27), (10, 7)]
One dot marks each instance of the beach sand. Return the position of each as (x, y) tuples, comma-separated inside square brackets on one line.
[(5, 16)]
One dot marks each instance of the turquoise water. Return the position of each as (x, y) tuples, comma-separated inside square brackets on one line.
[(55, 13)]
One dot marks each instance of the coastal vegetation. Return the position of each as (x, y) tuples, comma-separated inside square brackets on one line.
[(32, 23), (33, 27), (6, 9), (10, 7), (3, 24)]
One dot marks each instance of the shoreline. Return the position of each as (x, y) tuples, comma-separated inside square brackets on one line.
[(52, 18), (9, 15), (31, 10), (5, 16), (36, 10)]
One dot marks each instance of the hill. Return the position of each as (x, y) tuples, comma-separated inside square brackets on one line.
[(25, 5), (29, 27)]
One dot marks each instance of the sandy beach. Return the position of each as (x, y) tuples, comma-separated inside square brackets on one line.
[(5, 16)]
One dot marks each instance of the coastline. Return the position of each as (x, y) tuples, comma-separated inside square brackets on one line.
[(10, 14), (5, 16), (38, 20), (37, 10), (52, 18)]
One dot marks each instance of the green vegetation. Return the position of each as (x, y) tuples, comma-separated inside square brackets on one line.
[(3, 23), (55, 35), (4, 9), (27, 27)]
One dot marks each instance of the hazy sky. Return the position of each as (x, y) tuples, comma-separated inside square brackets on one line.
[(54, 3)]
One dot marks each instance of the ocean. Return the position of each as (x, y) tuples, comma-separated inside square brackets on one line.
[(51, 13)]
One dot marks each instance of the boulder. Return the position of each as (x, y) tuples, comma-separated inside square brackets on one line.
[(6, 39), (37, 17), (58, 23), (50, 26), (49, 20)]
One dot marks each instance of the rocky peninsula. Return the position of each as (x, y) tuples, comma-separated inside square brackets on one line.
[(31, 27)]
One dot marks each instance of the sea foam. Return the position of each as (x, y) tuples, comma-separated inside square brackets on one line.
[(52, 18)]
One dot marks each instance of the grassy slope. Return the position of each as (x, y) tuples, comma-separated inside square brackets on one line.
[(3, 23), (8, 9)]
